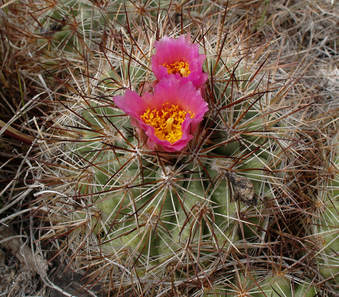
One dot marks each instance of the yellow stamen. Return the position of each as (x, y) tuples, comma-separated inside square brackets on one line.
[(180, 67), (166, 121)]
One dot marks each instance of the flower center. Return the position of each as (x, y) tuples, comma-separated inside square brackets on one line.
[(180, 67), (166, 121)]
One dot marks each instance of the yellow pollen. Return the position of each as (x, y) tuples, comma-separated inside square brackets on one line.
[(180, 67), (166, 121)]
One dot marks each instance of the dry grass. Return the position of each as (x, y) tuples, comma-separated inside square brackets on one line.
[(68, 153)]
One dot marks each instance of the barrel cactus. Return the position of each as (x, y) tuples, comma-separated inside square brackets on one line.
[(147, 204)]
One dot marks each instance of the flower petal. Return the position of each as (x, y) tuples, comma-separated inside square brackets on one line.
[(169, 51), (131, 103), (169, 117)]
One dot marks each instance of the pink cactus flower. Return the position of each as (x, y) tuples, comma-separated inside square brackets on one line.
[(169, 117), (179, 58)]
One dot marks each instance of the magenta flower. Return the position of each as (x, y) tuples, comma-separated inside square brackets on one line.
[(169, 117), (179, 58)]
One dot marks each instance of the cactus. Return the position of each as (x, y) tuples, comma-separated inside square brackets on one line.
[(326, 221), (210, 219)]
